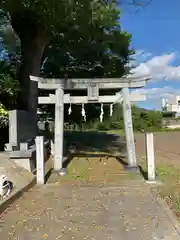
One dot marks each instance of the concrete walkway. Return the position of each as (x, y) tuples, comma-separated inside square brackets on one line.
[(124, 211)]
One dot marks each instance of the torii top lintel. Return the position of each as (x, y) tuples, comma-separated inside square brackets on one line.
[(103, 83)]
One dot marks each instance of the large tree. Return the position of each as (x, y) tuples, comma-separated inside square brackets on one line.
[(102, 51), (71, 21)]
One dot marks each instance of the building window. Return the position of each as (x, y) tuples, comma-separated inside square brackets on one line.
[(178, 102)]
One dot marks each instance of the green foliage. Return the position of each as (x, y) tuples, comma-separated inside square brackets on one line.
[(96, 48), (8, 94), (9, 39), (9, 88), (86, 37), (57, 14), (104, 126), (3, 116), (80, 38), (9, 85), (117, 125), (143, 120)]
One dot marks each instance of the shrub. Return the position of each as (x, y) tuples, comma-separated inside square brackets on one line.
[(3, 116), (3, 126)]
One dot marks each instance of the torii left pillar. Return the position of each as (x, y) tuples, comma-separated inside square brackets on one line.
[(59, 128), (130, 144)]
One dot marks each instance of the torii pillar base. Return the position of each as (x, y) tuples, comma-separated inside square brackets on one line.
[(132, 168)]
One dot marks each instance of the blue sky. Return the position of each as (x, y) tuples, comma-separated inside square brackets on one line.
[(156, 37)]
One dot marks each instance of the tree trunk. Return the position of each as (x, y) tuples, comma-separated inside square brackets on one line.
[(32, 52), (33, 41)]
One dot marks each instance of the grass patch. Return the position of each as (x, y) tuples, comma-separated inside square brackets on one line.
[(95, 169), (117, 132), (78, 170), (169, 175), (170, 190)]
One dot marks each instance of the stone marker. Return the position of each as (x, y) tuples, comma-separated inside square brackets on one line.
[(150, 157), (59, 129), (24, 146), (22, 127), (40, 160)]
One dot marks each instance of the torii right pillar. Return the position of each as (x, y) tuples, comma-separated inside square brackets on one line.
[(130, 144)]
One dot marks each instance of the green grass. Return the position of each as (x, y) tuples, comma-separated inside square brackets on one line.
[(117, 132), (92, 170), (169, 175), (78, 170), (170, 190)]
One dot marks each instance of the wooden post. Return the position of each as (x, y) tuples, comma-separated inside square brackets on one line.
[(130, 146), (59, 129), (150, 157), (40, 160)]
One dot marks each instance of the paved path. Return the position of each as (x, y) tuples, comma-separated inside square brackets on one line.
[(122, 211)]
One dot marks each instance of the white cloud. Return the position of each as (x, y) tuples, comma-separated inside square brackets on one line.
[(158, 67), (159, 93)]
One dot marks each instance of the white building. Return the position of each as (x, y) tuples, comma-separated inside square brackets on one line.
[(171, 105)]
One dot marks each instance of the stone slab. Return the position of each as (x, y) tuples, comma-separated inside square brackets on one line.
[(22, 126)]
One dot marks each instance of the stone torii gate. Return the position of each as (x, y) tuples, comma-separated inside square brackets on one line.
[(92, 85)]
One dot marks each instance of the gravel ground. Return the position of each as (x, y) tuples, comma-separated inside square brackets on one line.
[(87, 212)]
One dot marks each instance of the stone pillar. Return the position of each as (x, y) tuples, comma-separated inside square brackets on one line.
[(59, 129), (150, 157), (40, 170), (13, 128), (52, 147), (130, 145)]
